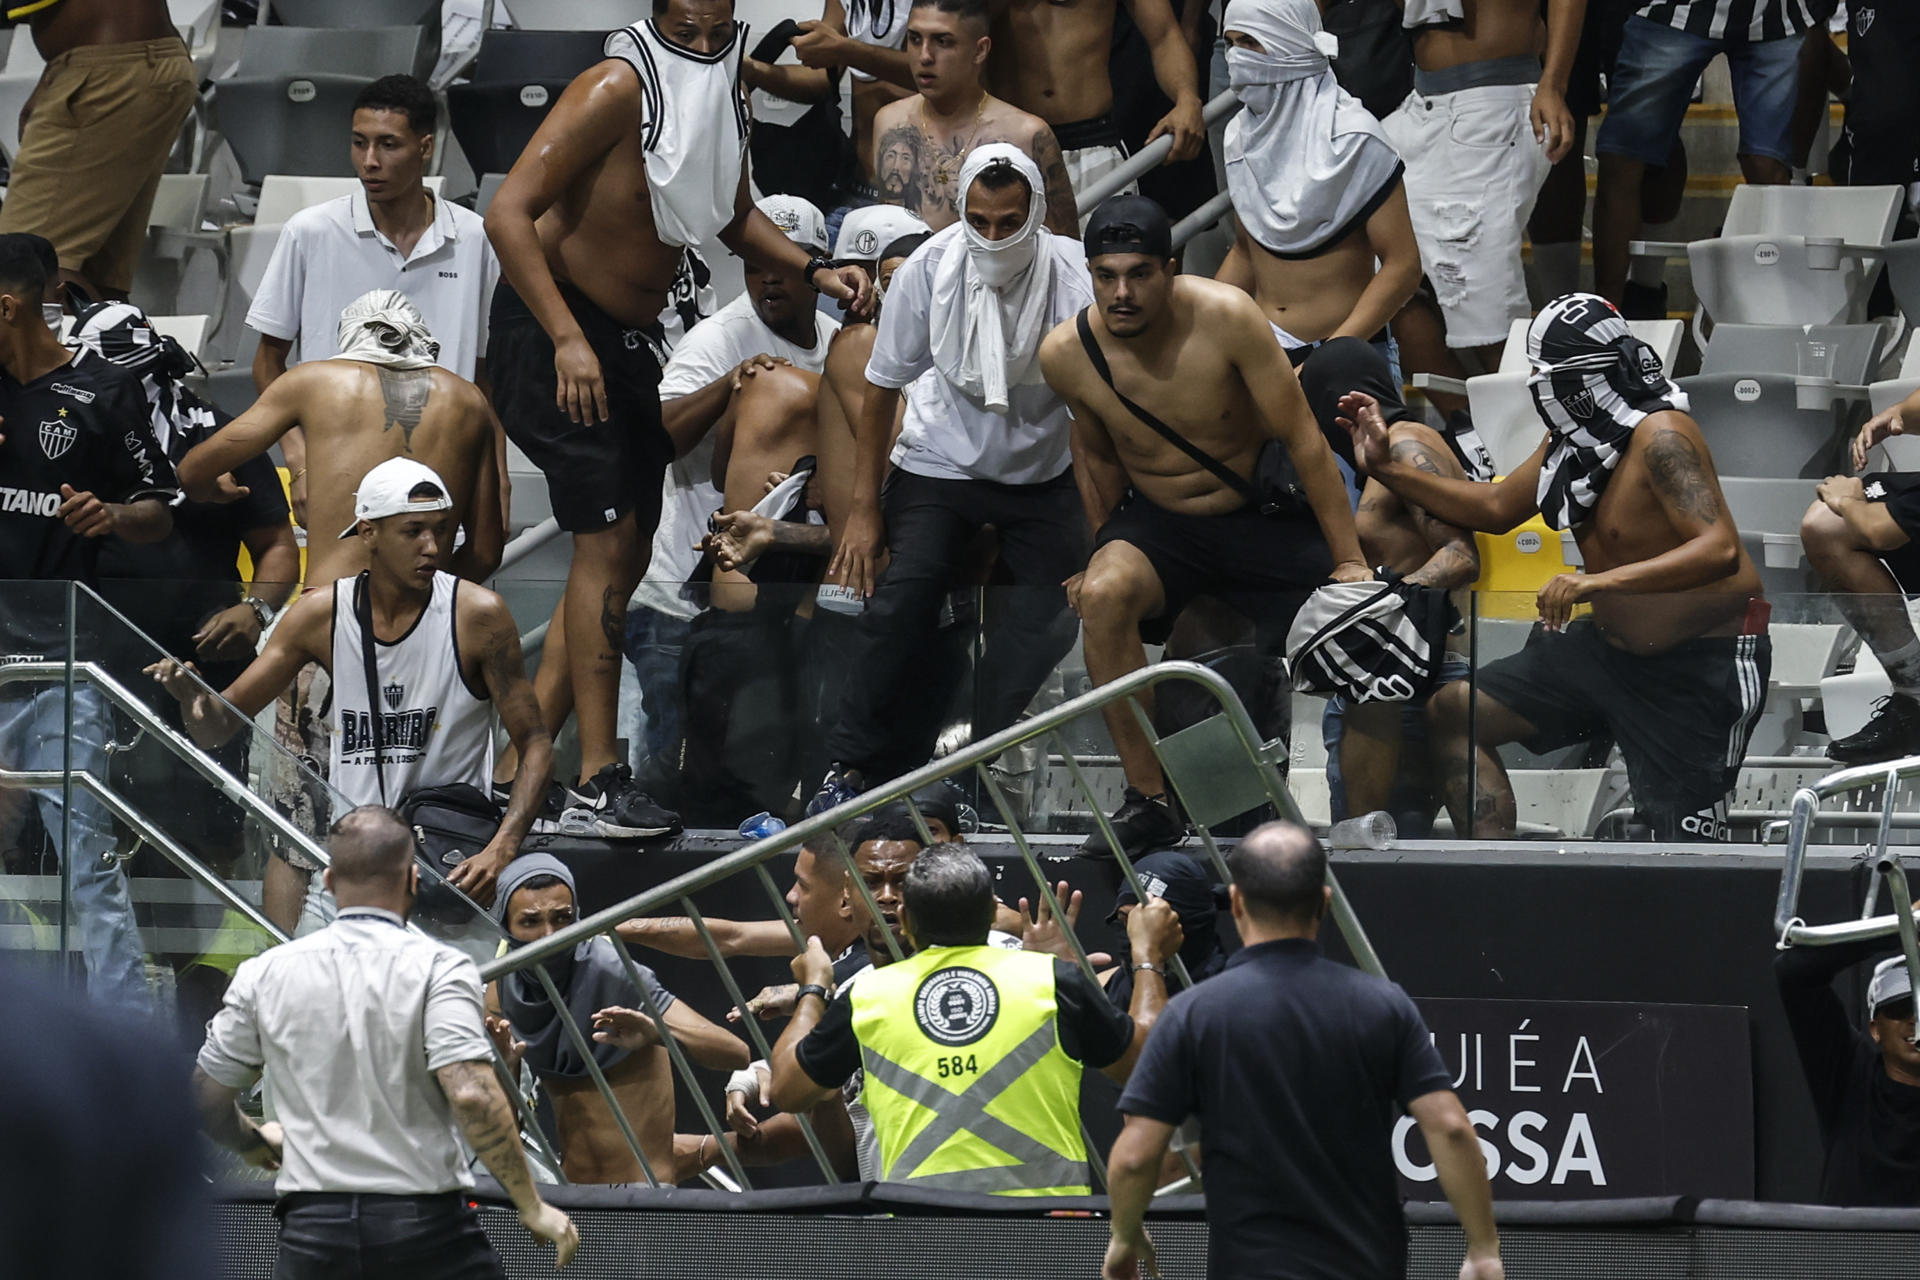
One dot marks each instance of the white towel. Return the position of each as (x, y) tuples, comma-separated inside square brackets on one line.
[(693, 129)]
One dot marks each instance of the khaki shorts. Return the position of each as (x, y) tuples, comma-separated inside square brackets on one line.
[(301, 728), (104, 120)]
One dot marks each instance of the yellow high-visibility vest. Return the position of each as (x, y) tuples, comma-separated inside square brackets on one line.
[(966, 1082)]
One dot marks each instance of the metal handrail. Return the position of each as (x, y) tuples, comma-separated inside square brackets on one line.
[(526, 542), (971, 756), (1791, 929), (172, 739), (1150, 156)]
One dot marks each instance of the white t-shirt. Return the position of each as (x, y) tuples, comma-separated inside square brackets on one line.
[(330, 254), (880, 23), (948, 434), (688, 496)]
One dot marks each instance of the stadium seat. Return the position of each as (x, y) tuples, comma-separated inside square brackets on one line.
[(1501, 405), (575, 15), (198, 22), (1903, 274), (515, 78), (189, 331), (1789, 255), (1759, 417), (281, 111), (356, 13), (173, 233), (21, 74)]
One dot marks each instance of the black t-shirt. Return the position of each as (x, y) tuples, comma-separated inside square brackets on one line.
[(1871, 1122), (170, 587), (84, 425), (1092, 1031), (1295, 1066)]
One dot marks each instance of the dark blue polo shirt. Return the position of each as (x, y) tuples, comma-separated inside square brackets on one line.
[(1297, 1067)]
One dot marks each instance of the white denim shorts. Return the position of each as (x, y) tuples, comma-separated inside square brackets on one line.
[(1473, 172)]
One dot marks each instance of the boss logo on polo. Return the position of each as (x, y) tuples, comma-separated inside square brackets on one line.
[(956, 1006)]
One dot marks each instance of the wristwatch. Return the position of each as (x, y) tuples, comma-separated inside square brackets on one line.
[(815, 265), (261, 610), (811, 989), (1151, 968)]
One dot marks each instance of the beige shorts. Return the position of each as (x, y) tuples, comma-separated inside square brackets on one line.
[(103, 121), (305, 736)]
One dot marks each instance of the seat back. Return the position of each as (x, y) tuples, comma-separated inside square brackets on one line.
[(355, 13), (1902, 260), (576, 15), (178, 201), (1766, 279), (535, 55), (1778, 349), (189, 331), (365, 52), (1857, 215), (1763, 505), (196, 20)]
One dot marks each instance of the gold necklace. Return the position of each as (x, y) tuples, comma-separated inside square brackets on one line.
[(946, 168)]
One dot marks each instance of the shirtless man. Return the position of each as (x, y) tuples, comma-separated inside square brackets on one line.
[(382, 398), (85, 179), (537, 898), (921, 142), (1051, 59), (1673, 662), (1200, 354), (1376, 751), (1317, 192), (1485, 122), (590, 226)]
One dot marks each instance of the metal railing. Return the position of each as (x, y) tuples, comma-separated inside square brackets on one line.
[(1198, 762), (1151, 157), (1883, 859), (150, 724)]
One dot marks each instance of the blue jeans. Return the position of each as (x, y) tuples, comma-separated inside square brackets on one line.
[(33, 736), (1653, 81), (1414, 799), (654, 643)]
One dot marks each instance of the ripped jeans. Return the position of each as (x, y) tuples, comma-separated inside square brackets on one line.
[(1473, 172)]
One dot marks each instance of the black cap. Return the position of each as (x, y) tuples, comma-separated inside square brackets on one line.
[(1129, 224), (1181, 880), (904, 246)]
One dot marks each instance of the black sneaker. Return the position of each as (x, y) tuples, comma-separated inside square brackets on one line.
[(547, 821), (839, 786), (1892, 731), (611, 807), (1142, 824)]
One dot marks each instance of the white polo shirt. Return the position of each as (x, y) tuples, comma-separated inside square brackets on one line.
[(331, 253), (688, 496), (946, 433)]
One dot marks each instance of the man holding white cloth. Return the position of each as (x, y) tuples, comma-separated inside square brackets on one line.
[(984, 441)]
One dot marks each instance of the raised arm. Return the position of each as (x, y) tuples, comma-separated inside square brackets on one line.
[(486, 1118), (824, 43), (1485, 508), (1154, 936), (1249, 343), (1173, 70), (1455, 558), (1390, 236), (294, 643), (1063, 218), (676, 936), (709, 1046), (247, 436), (753, 236), (792, 1089)]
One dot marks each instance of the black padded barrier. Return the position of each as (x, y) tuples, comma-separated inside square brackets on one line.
[(871, 1230)]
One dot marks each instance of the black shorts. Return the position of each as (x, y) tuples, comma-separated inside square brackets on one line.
[(1263, 566), (1682, 717), (596, 472), (1899, 491), (1593, 60)]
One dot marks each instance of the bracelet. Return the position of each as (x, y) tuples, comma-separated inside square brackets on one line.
[(811, 989), (1150, 968), (296, 475), (700, 1157), (261, 610)]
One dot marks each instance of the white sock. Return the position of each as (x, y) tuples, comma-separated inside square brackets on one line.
[(1650, 271), (1557, 268), (1903, 668)]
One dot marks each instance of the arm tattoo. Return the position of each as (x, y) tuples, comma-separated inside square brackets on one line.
[(1454, 560), (1414, 454), (1062, 214), (486, 1118), (1680, 476), (405, 392)]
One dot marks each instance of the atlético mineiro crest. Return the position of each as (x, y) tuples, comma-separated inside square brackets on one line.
[(56, 437), (395, 693), (1580, 403)]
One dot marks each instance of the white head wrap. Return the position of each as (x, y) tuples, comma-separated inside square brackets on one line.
[(1305, 161), (990, 300), (383, 327)]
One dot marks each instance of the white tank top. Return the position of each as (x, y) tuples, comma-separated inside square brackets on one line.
[(880, 23), (436, 729), (693, 129)]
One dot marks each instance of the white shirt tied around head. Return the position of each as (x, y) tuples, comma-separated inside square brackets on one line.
[(990, 303), (383, 327), (1305, 161)]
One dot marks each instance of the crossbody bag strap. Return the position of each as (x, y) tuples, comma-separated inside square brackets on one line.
[(1220, 470), (363, 614)]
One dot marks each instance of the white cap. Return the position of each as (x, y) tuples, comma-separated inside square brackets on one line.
[(801, 220), (383, 492), (1889, 983), (866, 231)]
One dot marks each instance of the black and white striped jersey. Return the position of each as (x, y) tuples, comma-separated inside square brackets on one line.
[(1737, 21)]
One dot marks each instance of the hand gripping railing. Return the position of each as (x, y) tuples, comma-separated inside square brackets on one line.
[(1150, 157), (678, 892), (1883, 859), (178, 744)]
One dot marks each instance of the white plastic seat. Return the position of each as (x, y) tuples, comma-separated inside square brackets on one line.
[(17, 81), (1759, 417), (189, 331), (1792, 255)]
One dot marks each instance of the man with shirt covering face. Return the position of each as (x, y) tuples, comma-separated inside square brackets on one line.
[(984, 441)]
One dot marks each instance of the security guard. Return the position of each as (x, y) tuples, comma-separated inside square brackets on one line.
[(972, 1054)]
